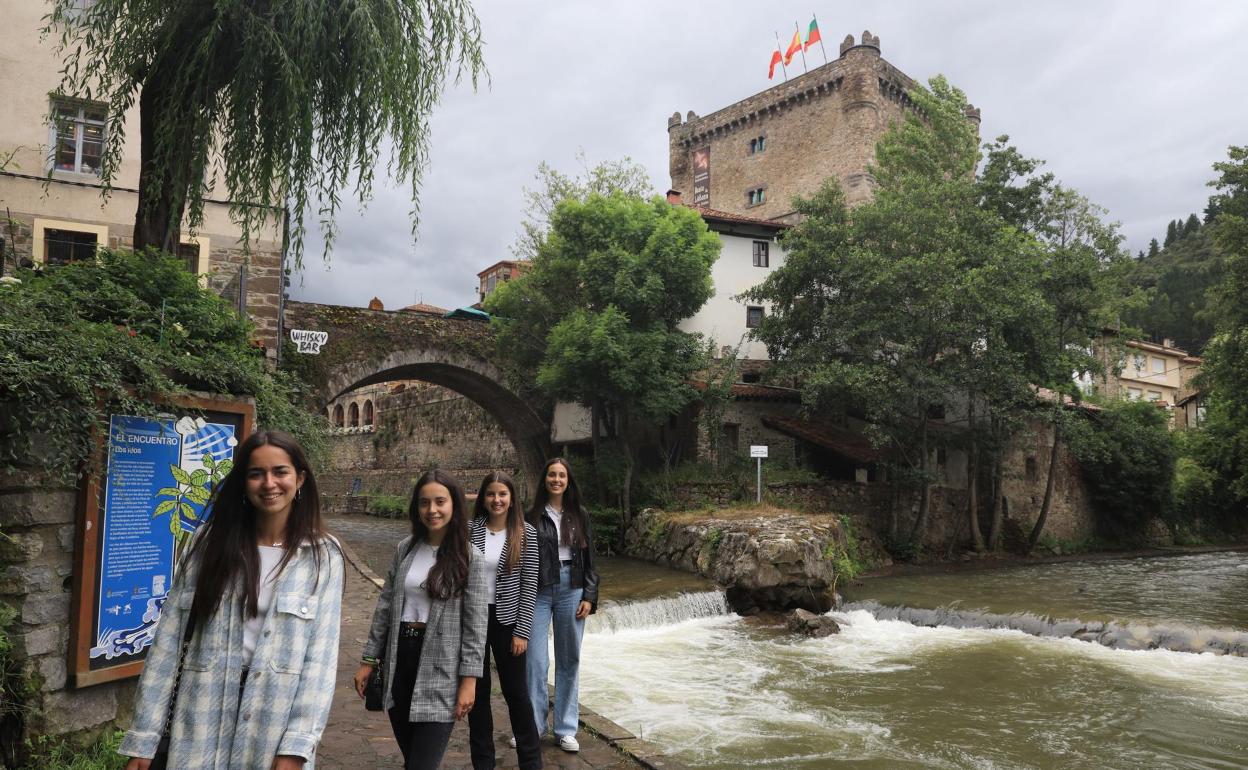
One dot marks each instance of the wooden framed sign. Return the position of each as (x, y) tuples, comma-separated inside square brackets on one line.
[(135, 521)]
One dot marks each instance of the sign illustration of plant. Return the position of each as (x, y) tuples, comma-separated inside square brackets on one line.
[(193, 490)]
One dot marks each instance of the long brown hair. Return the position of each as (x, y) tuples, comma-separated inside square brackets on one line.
[(515, 518), (575, 520), (449, 575), (229, 556)]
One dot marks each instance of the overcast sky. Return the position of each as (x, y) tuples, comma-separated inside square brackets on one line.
[(1129, 101)]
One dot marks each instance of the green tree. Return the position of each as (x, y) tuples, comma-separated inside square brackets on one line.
[(278, 103), (900, 306), (1221, 446), (1191, 225), (1172, 232), (596, 317), (1154, 249), (553, 187)]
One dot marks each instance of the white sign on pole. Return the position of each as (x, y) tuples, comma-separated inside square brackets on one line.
[(758, 451)]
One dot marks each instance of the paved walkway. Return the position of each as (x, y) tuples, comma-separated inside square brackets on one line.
[(356, 739)]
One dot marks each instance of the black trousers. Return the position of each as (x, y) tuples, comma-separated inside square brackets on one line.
[(511, 679), (422, 743)]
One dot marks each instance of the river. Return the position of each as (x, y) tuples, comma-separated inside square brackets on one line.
[(904, 687)]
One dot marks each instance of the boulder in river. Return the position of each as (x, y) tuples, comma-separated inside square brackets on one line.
[(806, 622)]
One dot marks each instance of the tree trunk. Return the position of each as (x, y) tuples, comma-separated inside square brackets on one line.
[(925, 492), (972, 483), (998, 509), (626, 496), (1048, 486)]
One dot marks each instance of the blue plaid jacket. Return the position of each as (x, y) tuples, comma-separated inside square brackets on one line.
[(285, 704)]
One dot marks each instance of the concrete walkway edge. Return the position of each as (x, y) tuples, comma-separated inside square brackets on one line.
[(642, 752)]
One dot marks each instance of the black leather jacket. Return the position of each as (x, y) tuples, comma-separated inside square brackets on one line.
[(584, 574)]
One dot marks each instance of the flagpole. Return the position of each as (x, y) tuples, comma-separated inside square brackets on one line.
[(798, 30), (779, 48), (821, 48)]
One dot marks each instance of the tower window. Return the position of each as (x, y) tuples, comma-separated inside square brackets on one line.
[(756, 197), (758, 144)]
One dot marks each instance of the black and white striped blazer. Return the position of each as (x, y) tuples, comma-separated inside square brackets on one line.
[(515, 592)]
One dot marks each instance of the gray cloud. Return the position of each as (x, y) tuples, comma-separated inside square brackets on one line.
[(1129, 101)]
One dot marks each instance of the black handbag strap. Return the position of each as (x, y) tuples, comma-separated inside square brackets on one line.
[(177, 678)]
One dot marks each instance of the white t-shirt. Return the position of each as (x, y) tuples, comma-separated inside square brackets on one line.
[(565, 551), (416, 600), (269, 558), (494, 542)]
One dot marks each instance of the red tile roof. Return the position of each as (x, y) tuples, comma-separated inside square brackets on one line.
[(421, 307), (727, 216), (842, 441), (756, 391)]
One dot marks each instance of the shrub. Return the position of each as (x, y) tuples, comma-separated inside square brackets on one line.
[(390, 506), (1127, 457), (125, 331), (48, 753)]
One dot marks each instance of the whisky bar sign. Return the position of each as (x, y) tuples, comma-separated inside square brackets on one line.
[(308, 341)]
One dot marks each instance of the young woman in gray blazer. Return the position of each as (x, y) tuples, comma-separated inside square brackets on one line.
[(499, 531), (429, 628)]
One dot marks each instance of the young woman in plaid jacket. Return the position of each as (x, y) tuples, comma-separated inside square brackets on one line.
[(261, 590), (428, 631), (499, 531)]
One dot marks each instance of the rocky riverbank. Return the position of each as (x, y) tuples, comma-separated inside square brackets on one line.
[(766, 559)]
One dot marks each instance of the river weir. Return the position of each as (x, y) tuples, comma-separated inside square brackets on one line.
[(907, 686)]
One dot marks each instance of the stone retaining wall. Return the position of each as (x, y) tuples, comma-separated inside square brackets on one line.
[(36, 552)]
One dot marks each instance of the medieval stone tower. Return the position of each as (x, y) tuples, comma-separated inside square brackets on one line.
[(755, 156)]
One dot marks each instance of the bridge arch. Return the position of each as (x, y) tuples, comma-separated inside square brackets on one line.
[(366, 347)]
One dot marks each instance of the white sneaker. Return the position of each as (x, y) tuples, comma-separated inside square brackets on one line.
[(511, 741), (568, 743)]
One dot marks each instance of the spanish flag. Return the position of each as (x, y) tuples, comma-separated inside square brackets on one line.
[(812, 36), (775, 59), (794, 47)]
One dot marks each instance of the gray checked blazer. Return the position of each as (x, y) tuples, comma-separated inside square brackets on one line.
[(454, 643)]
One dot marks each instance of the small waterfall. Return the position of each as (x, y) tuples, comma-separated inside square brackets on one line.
[(658, 612), (1121, 636)]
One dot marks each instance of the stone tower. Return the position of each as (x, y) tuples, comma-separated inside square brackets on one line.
[(755, 156)]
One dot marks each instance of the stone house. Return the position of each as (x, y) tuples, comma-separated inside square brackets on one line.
[(51, 187)]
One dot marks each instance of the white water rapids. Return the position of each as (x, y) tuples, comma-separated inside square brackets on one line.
[(719, 692)]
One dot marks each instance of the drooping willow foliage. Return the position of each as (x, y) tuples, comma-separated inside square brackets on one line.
[(284, 102)]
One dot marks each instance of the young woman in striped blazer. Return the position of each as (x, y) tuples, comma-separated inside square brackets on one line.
[(498, 530)]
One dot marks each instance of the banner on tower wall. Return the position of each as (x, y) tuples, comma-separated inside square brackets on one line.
[(702, 176)]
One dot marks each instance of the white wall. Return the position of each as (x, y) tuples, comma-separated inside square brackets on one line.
[(722, 318)]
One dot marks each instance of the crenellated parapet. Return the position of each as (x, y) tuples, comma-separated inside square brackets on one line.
[(787, 140)]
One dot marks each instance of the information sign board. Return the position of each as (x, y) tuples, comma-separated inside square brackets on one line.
[(758, 451), (158, 474)]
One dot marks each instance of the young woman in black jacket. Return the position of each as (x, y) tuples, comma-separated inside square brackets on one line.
[(567, 592), (499, 531)]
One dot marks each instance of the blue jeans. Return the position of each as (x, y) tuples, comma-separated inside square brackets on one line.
[(557, 604)]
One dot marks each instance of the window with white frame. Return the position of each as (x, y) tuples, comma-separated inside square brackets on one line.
[(1154, 395), (1159, 365), (1135, 394), (77, 135), (761, 257)]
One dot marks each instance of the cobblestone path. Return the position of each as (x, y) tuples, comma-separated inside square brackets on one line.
[(356, 739)]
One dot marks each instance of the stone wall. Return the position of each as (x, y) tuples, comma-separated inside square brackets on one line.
[(416, 429), (36, 573)]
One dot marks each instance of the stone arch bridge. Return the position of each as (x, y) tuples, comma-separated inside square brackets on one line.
[(365, 347)]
